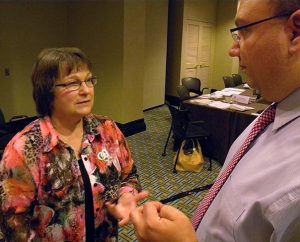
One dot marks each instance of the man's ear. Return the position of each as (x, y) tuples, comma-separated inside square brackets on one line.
[(294, 22)]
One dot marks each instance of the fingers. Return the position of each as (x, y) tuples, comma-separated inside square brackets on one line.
[(171, 213), (141, 196), (110, 206), (148, 223), (136, 216), (149, 212), (123, 221)]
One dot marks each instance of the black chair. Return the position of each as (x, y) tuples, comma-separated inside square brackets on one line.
[(183, 94), (237, 79), (2, 123), (9, 129), (212, 90), (2, 119), (193, 85), (228, 81), (183, 129)]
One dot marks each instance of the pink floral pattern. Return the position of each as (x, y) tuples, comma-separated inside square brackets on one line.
[(41, 187)]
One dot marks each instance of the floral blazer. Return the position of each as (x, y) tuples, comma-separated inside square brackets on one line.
[(41, 187)]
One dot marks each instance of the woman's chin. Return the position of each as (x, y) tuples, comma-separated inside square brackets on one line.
[(84, 112)]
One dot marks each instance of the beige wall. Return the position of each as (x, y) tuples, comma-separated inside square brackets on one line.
[(112, 33), (125, 39), (224, 65), (155, 52), (175, 28), (23, 33), (100, 33), (218, 12), (205, 11), (133, 60)]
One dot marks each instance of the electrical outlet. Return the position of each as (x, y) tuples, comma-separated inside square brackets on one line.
[(6, 72)]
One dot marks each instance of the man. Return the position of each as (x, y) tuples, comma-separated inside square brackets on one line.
[(260, 200)]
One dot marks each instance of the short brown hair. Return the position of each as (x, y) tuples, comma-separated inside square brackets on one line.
[(50, 65), (286, 6)]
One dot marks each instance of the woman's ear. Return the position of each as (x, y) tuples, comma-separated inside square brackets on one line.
[(294, 22)]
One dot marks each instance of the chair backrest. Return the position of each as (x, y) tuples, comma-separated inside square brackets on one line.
[(212, 90), (228, 81), (2, 119), (237, 78), (3, 126), (18, 117), (16, 125), (192, 84), (179, 121), (183, 93)]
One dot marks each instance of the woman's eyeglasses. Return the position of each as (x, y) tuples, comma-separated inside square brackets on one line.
[(75, 85)]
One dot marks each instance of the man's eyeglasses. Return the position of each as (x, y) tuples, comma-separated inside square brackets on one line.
[(235, 31), (75, 85)]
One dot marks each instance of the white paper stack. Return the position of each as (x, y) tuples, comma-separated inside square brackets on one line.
[(219, 104), (240, 107), (200, 101), (229, 91)]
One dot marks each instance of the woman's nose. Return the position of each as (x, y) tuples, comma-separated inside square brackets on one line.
[(84, 87), (235, 49)]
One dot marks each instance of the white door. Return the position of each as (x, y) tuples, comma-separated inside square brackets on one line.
[(197, 51)]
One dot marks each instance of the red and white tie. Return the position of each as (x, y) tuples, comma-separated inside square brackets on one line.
[(263, 121)]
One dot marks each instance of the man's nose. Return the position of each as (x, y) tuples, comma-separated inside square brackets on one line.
[(235, 49)]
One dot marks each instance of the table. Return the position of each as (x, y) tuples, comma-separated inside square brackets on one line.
[(224, 126)]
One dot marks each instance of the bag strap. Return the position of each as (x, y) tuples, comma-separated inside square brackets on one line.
[(186, 193), (196, 144)]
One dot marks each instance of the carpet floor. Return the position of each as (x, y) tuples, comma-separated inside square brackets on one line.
[(156, 171)]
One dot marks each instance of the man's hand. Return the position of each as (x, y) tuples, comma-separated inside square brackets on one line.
[(126, 203), (155, 222)]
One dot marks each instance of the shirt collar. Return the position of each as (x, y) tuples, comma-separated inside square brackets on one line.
[(287, 110), (50, 135), (91, 127)]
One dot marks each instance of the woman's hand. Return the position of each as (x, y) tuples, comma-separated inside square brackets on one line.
[(126, 203)]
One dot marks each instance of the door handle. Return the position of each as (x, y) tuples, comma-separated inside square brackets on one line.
[(202, 66)]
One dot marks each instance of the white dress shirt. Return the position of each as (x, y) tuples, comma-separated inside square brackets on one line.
[(260, 201)]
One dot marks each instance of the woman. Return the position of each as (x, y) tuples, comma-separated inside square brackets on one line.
[(69, 166)]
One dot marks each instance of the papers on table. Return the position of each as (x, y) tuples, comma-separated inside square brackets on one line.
[(246, 86), (213, 99), (216, 95), (240, 99), (219, 104), (204, 96), (240, 107), (227, 92), (200, 101), (222, 105)]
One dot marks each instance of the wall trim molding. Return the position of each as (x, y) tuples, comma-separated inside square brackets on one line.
[(148, 109)]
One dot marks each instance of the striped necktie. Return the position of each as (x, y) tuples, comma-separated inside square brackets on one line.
[(263, 121)]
